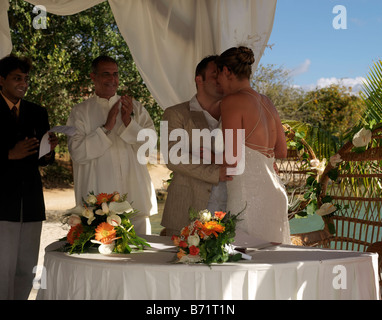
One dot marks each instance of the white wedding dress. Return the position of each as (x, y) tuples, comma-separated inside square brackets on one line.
[(260, 191)]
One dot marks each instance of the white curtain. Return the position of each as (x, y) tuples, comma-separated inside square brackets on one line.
[(167, 38), (5, 37)]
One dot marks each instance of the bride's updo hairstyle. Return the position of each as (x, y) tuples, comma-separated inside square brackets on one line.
[(238, 60)]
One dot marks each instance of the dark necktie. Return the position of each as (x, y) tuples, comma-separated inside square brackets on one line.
[(14, 112)]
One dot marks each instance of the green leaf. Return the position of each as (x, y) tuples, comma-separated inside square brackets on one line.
[(333, 174), (327, 199), (332, 228), (311, 180), (311, 208)]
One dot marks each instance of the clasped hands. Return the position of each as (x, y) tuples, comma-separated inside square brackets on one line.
[(126, 103)]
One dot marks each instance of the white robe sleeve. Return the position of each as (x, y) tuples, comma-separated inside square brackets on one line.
[(140, 120), (88, 143)]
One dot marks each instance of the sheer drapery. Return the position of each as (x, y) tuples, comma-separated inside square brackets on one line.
[(5, 37), (167, 38)]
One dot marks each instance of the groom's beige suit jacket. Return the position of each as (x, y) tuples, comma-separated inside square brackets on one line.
[(192, 183)]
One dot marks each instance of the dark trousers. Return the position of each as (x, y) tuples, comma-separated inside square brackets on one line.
[(19, 248)]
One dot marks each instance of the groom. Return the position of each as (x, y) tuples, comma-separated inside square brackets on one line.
[(196, 186)]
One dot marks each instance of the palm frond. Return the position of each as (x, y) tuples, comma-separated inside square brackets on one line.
[(323, 143), (372, 94)]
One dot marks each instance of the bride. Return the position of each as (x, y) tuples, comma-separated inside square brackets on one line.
[(258, 188)]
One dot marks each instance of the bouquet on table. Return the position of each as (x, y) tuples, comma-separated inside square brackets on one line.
[(104, 220), (207, 239)]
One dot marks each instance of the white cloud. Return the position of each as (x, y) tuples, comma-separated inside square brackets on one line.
[(354, 83), (302, 68)]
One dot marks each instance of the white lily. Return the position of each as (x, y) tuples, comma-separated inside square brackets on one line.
[(190, 259), (326, 208), (105, 207), (335, 159), (205, 216), (318, 165), (314, 163), (105, 248), (91, 199), (88, 213), (193, 240), (100, 212), (362, 138), (120, 207), (74, 220), (114, 220)]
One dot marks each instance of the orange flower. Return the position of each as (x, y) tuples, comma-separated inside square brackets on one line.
[(212, 227), (175, 239), (105, 233), (74, 233), (180, 254), (220, 214), (104, 197), (185, 232)]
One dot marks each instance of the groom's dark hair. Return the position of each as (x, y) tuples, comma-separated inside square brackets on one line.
[(202, 66)]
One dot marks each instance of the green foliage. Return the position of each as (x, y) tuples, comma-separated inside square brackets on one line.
[(274, 82), (321, 115), (56, 175), (214, 250), (323, 143), (372, 95), (329, 109), (82, 243)]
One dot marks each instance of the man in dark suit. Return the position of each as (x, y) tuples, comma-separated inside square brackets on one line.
[(22, 127)]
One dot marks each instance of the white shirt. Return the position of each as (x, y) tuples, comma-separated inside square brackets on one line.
[(218, 198), (107, 163)]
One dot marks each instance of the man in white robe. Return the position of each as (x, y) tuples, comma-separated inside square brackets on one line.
[(104, 148)]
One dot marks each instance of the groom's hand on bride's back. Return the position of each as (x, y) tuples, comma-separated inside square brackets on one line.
[(223, 174)]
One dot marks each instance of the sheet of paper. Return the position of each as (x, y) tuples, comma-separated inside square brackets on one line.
[(69, 131), (44, 144)]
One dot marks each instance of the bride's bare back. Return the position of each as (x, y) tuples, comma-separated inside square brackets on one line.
[(256, 114)]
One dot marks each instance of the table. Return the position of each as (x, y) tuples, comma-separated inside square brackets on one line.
[(275, 272)]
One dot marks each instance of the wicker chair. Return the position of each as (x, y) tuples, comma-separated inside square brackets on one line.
[(294, 170), (358, 191)]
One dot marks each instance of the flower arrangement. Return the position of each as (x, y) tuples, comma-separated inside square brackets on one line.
[(313, 191), (207, 238), (103, 220)]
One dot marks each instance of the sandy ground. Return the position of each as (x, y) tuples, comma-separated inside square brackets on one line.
[(58, 201)]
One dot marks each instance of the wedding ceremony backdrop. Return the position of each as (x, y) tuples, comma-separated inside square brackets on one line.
[(168, 38)]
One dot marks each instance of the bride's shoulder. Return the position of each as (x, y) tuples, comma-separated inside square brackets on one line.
[(234, 98)]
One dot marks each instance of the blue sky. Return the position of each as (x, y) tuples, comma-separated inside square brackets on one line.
[(317, 54)]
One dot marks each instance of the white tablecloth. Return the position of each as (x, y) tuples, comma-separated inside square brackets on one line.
[(276, 272)]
